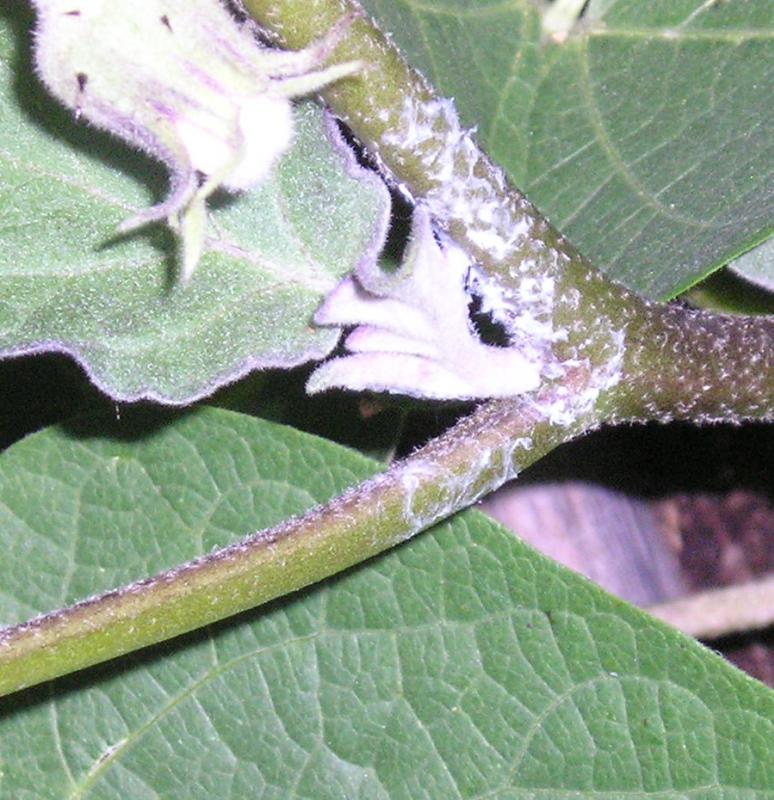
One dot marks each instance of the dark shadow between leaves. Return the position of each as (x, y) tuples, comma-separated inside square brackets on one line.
[(654, 459), (132, 422), (752, 652), (50, 388)]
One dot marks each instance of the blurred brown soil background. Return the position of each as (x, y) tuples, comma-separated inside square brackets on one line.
[(657, 511)]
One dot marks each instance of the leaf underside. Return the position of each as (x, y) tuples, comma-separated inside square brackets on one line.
[(461, 665), (68, 282)]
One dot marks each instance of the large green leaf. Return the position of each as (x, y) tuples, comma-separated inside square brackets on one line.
[(647, 136), (462, 665), (67, 282)]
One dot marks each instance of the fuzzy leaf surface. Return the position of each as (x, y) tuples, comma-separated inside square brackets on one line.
[(69, 283), (646, 136), (462, 665)]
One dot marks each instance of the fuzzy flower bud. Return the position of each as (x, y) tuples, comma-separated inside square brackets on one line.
[(183, 81)]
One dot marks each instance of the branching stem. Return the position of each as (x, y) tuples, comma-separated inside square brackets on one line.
[(673, 363), (608, 355)]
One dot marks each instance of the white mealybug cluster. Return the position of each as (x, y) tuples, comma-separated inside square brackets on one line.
[(185, 82), (413, 332)]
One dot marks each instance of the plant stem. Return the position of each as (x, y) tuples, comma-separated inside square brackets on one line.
[(635, 359), (604, 357), (696, 366), (719, 612), (476, 456)]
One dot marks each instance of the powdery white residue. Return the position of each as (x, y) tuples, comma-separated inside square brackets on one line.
[(525, 308), (451, 490), (510, 467), (486, 471), (450, 158), (415, 475), (566, 404), (465, 189), (489, 235), (611, 371)]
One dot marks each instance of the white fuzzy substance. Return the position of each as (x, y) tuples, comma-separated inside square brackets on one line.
[(414, 335), (457, 191), (567, 404), (414, 475), (464, 189)]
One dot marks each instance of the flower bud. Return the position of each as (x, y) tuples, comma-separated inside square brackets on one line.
[(185, 82)]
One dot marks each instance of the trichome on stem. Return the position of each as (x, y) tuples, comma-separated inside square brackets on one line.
[(600, 354)]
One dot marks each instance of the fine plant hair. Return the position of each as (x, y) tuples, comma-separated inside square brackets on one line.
[(588, 352)]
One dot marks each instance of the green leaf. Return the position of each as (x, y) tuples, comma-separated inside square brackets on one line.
[(69, 283), (462, 665), (757, 265), (647, 136)]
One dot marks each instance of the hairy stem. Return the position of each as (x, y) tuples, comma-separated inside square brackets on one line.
[(697, 366), (478, 455), (606, 354)]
